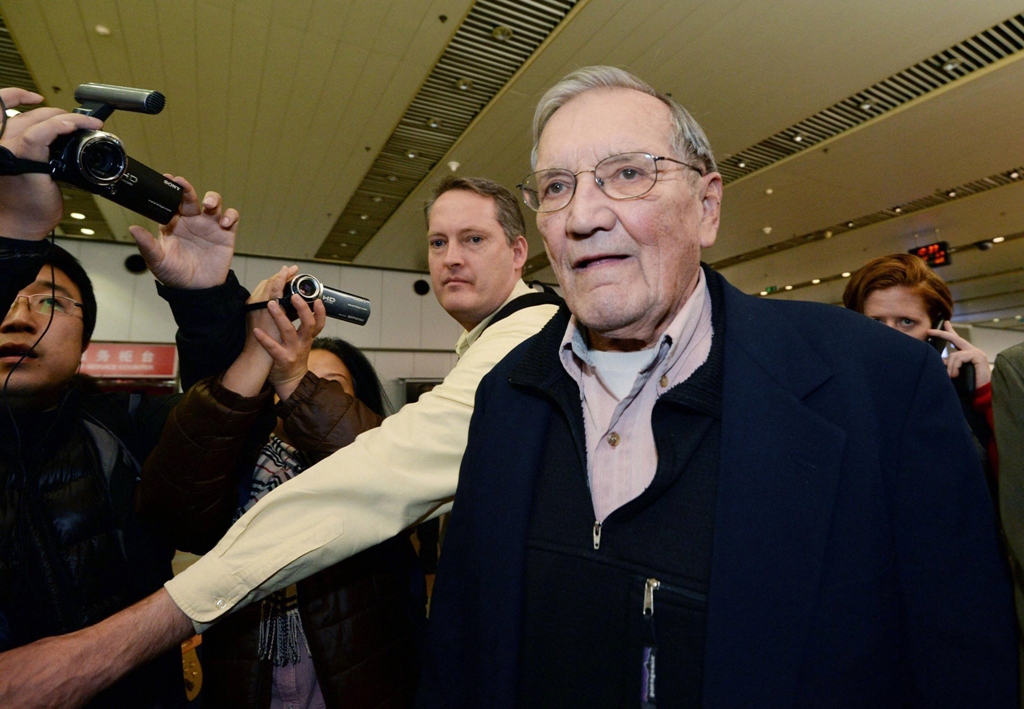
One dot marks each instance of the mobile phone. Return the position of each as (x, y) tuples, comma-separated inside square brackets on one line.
[(937, 342)]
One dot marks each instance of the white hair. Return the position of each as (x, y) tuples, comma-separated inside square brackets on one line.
[(688, 139)]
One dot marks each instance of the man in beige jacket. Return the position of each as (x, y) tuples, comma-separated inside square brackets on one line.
[(352, 500)]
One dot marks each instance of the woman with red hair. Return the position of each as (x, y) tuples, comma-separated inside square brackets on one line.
[(900, 291)]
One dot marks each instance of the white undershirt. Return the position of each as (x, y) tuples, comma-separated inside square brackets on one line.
[(617, 371)]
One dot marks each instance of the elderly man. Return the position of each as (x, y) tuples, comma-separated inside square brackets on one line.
[(388, 479), (710, 500)]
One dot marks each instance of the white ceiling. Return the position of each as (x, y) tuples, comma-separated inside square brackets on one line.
[(274, 103)]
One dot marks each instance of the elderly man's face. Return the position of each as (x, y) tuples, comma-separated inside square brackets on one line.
[(626, 266)]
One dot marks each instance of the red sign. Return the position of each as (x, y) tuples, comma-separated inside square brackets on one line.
[(123, 360), (936, 254)]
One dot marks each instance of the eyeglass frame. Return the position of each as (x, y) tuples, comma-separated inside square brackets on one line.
[(36, 310), (600, 186)]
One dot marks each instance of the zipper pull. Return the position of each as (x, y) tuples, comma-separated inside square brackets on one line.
[(597, 535), (650, 587)]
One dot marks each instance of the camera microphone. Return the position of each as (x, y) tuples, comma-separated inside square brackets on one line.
[(94, 97)]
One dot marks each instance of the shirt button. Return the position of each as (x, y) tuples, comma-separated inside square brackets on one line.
[(221, 603), (664, 380), (613, 439)]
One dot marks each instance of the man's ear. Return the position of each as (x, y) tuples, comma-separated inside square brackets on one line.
[(711, 206), (520, 251)]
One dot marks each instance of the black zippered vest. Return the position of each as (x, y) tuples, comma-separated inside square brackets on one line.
[(619, 619)]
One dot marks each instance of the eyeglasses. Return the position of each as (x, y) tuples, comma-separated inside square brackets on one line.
[(622, 176), (46, 303)]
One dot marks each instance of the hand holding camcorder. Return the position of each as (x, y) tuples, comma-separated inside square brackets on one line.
[(96, 161), (337, 304)]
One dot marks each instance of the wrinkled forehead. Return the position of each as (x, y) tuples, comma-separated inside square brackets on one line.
[(603, 122)]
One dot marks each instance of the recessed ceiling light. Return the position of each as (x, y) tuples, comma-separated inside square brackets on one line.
[(769, 190), (352, 232), (816, 281), (502, 33), (846, 274), (378, 199), (433, 122), (867, 106), (343, 246), (789, 287), (1014, 175), (951, 193), (999, 240), (952, 65), (767, 230), (364, 217), (88, 232), (849, 224), (1018, 317), (995, 319), (798, 138), (898, 209), (411, 154), (742, 164), (77, 215), (764, 292), (392, 178), (102, 30), (464, 84), (828, 235)]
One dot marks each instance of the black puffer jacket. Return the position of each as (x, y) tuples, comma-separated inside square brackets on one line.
[(72, 550), (363, 617)]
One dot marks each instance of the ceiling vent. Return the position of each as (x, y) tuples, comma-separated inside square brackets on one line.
[(472, 70), (974, 53)]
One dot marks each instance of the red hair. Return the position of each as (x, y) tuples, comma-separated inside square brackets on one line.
[(900, 270)]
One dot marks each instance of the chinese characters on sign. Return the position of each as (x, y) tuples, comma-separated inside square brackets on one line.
[(117, 360)]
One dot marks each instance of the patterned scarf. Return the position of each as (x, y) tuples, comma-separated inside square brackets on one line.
[(280, 625)]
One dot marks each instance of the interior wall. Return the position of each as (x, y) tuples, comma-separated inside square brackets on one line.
[(993, 340), (407, 335)]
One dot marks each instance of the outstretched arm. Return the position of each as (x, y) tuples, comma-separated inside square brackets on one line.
[(69, 670)]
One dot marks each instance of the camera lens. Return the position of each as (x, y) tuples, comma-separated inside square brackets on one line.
[(307, 286), (101, 158)]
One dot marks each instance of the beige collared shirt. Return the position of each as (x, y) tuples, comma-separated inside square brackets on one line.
[(389, 478), (621, 455)]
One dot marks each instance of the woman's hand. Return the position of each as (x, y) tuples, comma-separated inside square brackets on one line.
[(249, 371), (964, 352), (290, 349)]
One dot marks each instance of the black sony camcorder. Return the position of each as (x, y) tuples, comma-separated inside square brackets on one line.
[(95, 160), (338, 304)]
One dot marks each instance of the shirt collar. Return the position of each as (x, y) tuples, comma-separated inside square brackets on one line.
[(467, 338)]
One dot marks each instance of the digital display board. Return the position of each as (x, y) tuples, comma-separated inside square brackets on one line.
[(936, 254)]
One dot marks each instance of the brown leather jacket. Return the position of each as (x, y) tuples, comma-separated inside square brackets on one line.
[(363, 617)]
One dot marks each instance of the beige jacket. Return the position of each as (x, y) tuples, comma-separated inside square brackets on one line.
[(388, 479)]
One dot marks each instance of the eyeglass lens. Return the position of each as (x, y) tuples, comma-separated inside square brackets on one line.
[(619, 176), (44, 303)]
